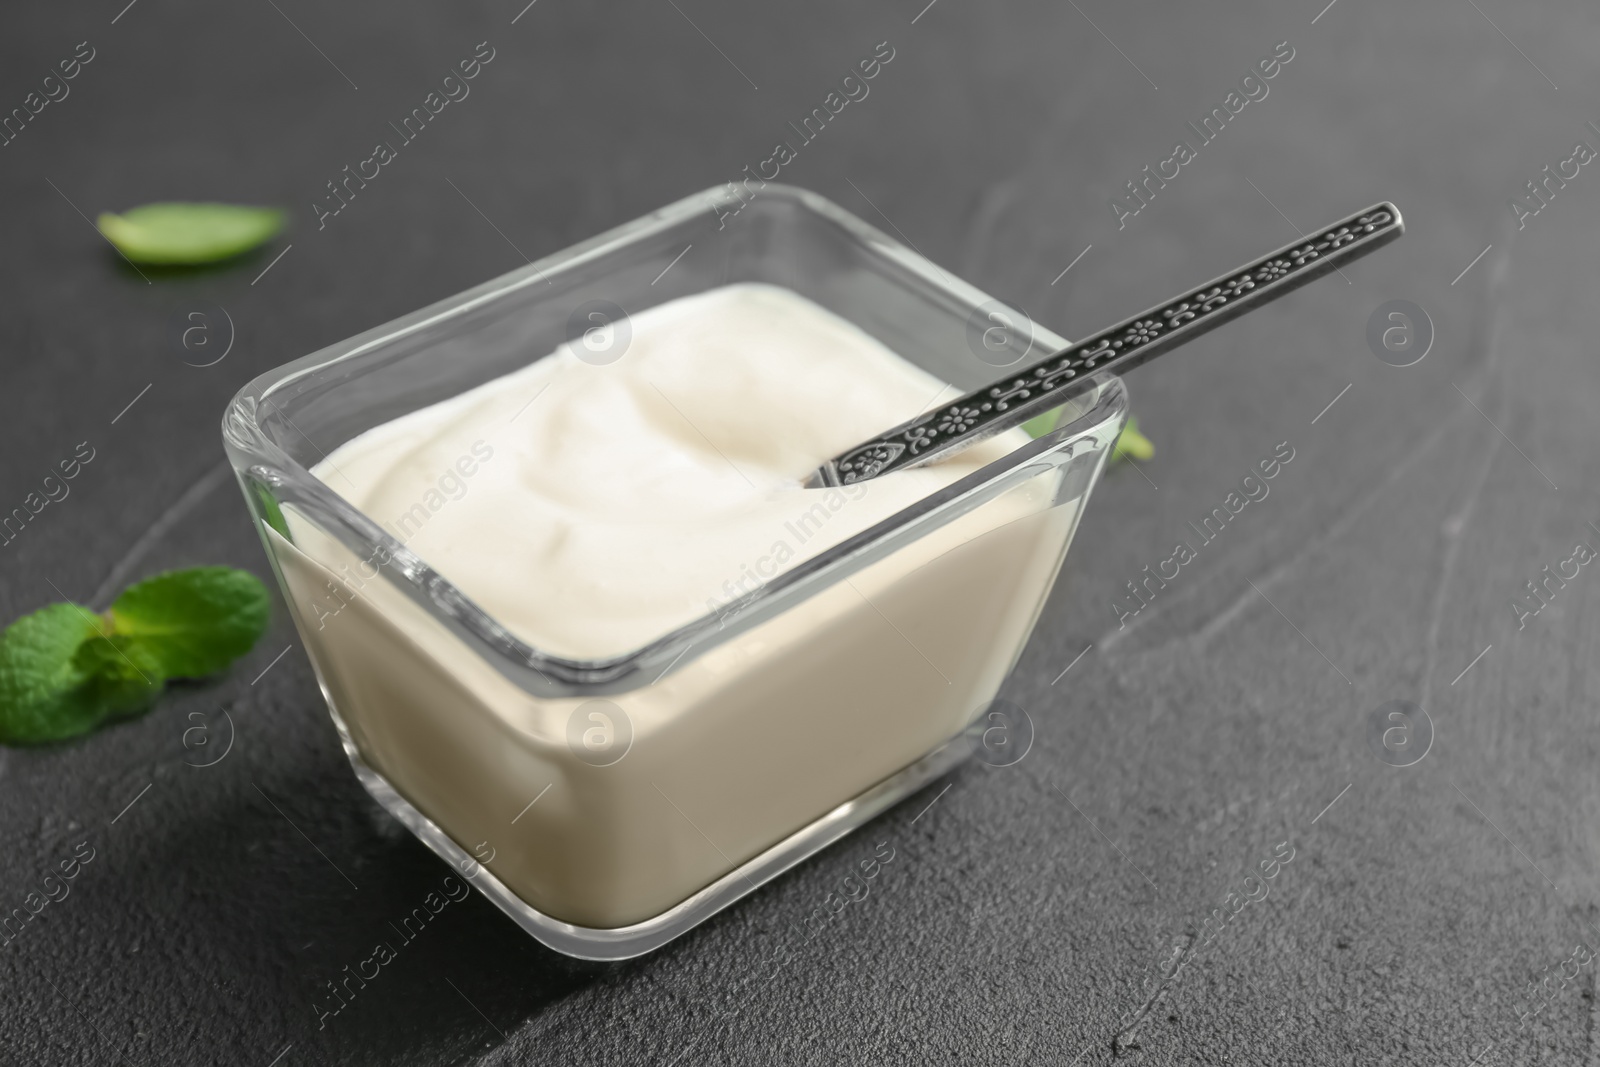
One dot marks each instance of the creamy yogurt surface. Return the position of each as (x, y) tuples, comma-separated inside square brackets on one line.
[(591, 508)]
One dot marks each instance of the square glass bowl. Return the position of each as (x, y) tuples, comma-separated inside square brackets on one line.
[(609, 805)]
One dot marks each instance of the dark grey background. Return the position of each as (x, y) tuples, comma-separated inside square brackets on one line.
[(1015, 924)]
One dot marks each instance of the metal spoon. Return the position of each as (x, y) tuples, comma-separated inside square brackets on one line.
[(1055, 379)]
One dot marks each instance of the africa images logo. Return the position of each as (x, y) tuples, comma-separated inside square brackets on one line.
[(1400, 732)]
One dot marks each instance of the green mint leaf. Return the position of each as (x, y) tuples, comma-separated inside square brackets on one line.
[(1040, 425), (191, 623), (267, 508), (44, 685), (1131, 444), (124, 677), (65, 670), (176, 234)]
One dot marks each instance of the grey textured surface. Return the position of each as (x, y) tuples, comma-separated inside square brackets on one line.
[(1029, 910)]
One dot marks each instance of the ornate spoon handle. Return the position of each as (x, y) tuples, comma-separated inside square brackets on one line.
[(1052, 381)]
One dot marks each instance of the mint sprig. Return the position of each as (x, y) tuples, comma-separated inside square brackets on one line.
[(64, 670)]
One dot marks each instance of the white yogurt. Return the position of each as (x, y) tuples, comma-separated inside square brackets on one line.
[(600, 506)]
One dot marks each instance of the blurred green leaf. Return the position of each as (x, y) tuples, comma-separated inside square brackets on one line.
[(1131, 444), (177, 234)]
